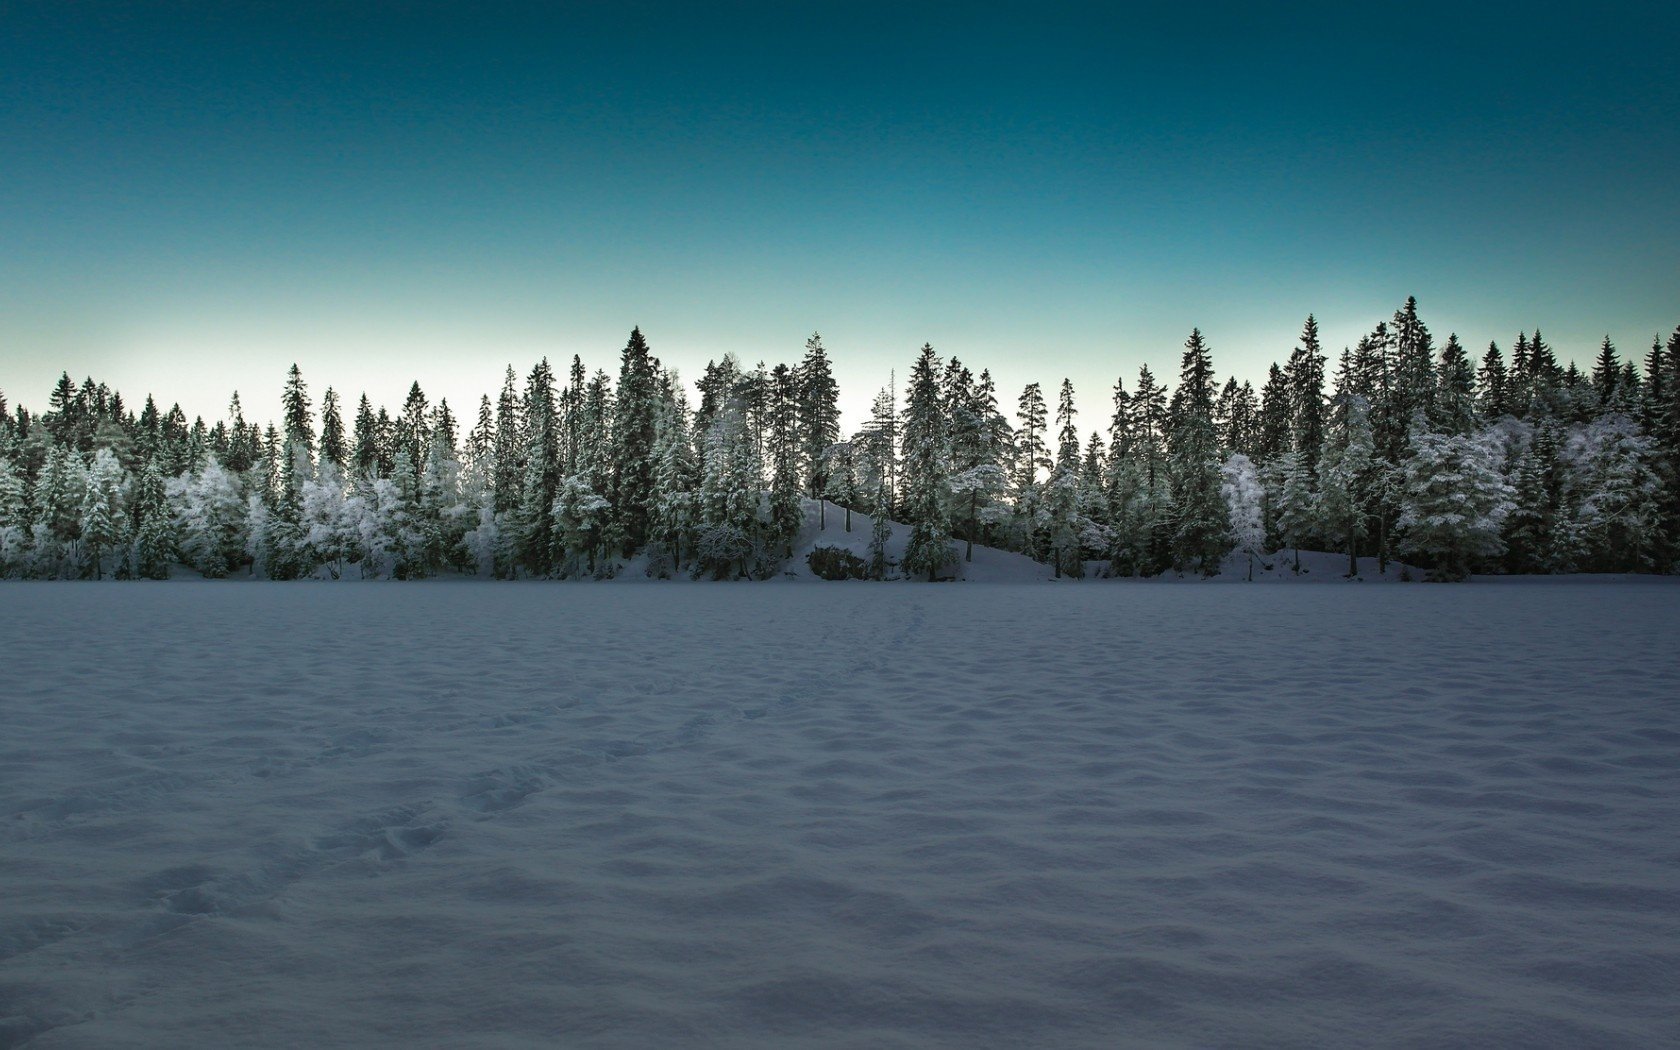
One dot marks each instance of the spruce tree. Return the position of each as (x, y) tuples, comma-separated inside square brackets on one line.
[(1305, 376), (1343, 472), (334, 449), (819, 414), (1492, 384), (1453, 503), (632, 452), (1454, 403), (1240, 486), (1201, 534), (1277, 407), (925, 470)]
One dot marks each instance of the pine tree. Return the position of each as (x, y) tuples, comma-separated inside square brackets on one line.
[(1240, 487), (632, 452), (1201, 534), (1618, 497), (14, 518), (1343, 471), (103, 522), (1453, 406), (509, 475), (1606, 371), (153, 532), (819, 414), (729, 495), (366, 456), (925, 470), (1453, 503), (784, 445), (880, 532), (1493, 386), (1305, 376), (1277, 406), (299, 425), (842, 472), (334, 449), (677, 475), (1295, 504)]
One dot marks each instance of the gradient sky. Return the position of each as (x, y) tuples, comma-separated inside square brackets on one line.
[(194, 195)]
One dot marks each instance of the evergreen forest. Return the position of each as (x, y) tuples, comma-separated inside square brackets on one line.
[(1405, 450)]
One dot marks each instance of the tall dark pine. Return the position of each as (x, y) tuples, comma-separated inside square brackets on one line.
[(300, 427), (1306, 394), (1454, 406), (367, 440), (510, 446), (1201, 525), (633, 433), (925, 470), (1606, 371), (333, 447), (1492, 384), (1277, 409), (819, 413)]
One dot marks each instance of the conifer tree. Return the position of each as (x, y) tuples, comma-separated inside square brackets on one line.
[(1344, 470), (1454, 402), (1294, 506), (1305, 376), (153, 535), (1493, 386), (366, 455), (1453, 503), (677, 475), (925, 470), (819, 414), (1277, 406), (1201, 535), (842, 474), (633, 433), (1606, 371), (783, 441), (334, 449), (1240, 486)]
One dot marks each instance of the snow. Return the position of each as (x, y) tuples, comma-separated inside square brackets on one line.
[(468, 814)]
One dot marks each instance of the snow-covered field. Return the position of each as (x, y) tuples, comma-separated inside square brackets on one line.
[(782, 815)]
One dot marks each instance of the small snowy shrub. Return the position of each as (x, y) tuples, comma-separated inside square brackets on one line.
[(836, 563)]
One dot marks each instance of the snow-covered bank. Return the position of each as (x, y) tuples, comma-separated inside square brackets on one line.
[(492, 815)]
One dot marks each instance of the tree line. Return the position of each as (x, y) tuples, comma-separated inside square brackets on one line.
[(1408, 450)]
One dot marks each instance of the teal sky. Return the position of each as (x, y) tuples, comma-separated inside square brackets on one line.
[(194, 195)]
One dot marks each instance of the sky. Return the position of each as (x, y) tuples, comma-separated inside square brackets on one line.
[(195, 195)]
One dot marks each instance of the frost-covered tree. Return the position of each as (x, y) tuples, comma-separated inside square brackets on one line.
[(1294, 509), (818, 414), (14, 519), (880, 533), (1617, 493), (1344, 471), (1240, 486), (580, 515), (154, 535), (729, 524), (1201, 526), (925, 470), (842, 477), (634, 431), (1453, 503)]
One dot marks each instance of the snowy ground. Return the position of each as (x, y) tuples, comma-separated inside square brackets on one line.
[(474, 814)]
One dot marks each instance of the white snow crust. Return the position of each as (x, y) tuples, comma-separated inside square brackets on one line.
[(465, 814)]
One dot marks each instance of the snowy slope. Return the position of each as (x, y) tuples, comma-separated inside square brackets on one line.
[(990, 564), (499, 815)]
